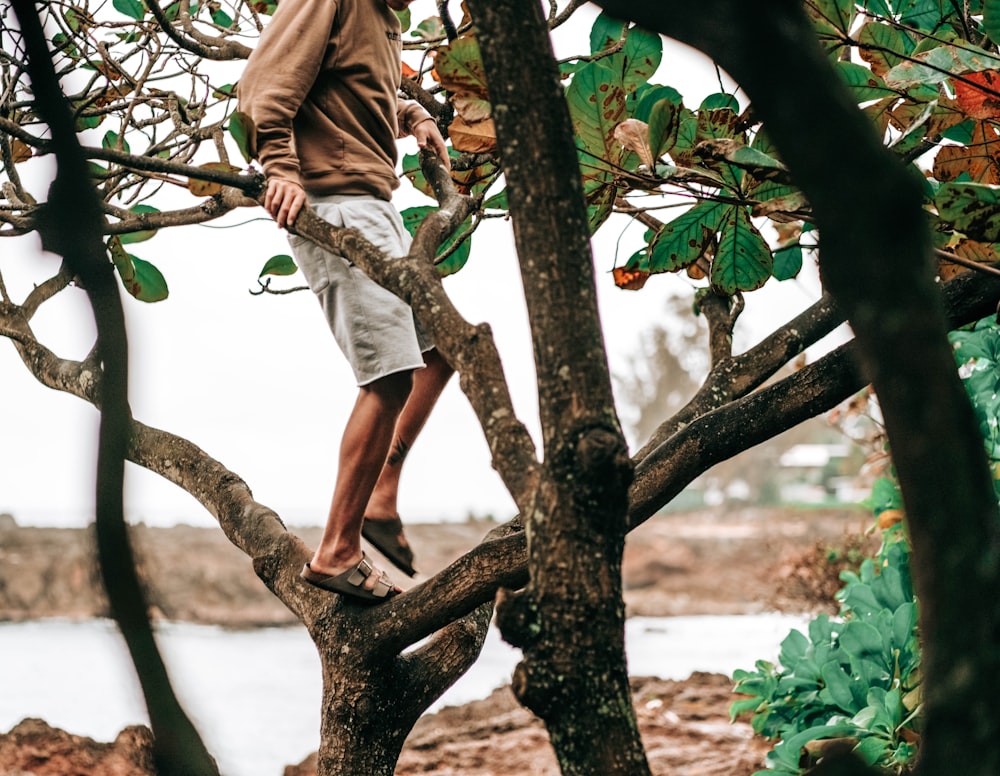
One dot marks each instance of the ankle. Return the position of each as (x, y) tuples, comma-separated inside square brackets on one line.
[(335, 562)]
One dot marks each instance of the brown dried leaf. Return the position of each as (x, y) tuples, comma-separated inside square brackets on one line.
[(471, 108), (695, 272), (476, 138), (634, 135), (979, 99), (19, 151), (629, 279), (979, 159)]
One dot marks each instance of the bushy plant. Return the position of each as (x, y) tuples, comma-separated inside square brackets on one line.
[(856, 678)]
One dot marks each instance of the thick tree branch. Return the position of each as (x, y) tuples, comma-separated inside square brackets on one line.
[(877, 261), (735, 377)]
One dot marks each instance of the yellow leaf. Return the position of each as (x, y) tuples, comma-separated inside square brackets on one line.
[(202, 188)]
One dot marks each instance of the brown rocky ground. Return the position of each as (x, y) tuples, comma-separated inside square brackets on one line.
[(713, 562)]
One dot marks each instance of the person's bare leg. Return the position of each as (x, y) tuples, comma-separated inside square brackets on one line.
[(363, 452), (427, 386)]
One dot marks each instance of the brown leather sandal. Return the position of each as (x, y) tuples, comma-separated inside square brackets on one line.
[(351, 583), (385, 535)]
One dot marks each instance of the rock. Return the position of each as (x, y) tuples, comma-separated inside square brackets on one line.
[(33, 747)]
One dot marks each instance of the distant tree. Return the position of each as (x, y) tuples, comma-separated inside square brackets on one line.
[(578, 143)]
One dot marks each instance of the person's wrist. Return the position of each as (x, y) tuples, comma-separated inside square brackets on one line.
[(418, 122)]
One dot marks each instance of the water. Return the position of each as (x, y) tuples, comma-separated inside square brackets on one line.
[(255, 694)]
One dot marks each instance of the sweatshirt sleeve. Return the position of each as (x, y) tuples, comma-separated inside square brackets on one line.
[(409, 113), (279, 75)]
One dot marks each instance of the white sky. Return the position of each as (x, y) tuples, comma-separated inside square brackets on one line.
[(259, 384)]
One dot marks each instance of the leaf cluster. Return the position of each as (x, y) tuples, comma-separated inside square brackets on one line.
[(857, 678), (854, 679)]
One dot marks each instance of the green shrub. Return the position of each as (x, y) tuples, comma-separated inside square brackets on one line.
[(857, 677), (854, 677)]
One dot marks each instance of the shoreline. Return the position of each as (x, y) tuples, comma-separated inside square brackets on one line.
[(736, 561)]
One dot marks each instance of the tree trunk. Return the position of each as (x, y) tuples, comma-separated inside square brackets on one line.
[(876, 261), (570, 620)]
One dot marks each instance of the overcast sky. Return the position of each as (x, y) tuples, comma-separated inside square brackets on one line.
[(258, 383)]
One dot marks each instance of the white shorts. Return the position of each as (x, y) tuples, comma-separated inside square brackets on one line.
[(374, 328)]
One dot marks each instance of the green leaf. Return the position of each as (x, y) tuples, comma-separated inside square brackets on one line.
[(991, 19), (904, 622), (88, 122), (605, 32), (131, 8), (149, 285), (877, 7), (282, 264), (923, 14), (793, 648), (837, 688), (413, 172), (121, 259), (145, 234), (838, 13), (459, 66), (429, 28), (683, 241), (413, 217), (862, 640), (243, 131), (221, 18), (405, 20), (643, 53), (497, 202), (743, 260), (872, 749), (787, 262), (720, 101), (884, 45), (664, 121), (789, 750), (111, 140), (939, 64), (646, 97), (971, 208), (140, 278), (596, 100), (863, 83)]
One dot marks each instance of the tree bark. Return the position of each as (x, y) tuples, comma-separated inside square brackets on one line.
[(876, 260), (570, 619)]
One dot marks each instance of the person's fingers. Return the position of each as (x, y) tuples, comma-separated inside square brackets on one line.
[(283, 201), (295, 204), (442, 151)]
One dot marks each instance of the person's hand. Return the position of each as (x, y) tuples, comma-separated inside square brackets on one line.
[(283, 200), (429, 136)]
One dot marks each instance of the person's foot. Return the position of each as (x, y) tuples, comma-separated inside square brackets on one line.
[(386, 535), (362, 582)]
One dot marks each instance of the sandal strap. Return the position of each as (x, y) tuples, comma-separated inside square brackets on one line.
[(383, 587), (361, 572)]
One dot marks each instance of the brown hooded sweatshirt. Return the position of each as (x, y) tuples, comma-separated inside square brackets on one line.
[(321, 88)]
